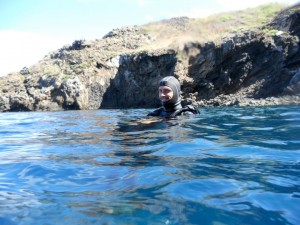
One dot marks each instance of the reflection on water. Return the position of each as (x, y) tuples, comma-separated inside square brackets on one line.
[(225, 166)]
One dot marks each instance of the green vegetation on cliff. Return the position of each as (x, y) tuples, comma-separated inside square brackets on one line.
[(178, 30)]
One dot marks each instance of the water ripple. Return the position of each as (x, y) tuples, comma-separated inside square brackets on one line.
[(228, 165)]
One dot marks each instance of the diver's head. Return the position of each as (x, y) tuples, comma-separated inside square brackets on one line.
[(169, 92)]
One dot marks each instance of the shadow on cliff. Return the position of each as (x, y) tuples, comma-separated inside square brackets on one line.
[(136, 82)]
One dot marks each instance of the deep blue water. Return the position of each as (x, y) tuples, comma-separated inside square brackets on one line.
[(225, 166)]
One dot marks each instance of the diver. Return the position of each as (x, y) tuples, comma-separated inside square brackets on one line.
[(169, 95)]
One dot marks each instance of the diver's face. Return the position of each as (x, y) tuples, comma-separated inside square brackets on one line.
[(165, 93)]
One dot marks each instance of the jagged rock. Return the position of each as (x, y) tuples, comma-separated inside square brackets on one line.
[(135, 84), (251, 61), (294, 86), (25, 71), (120, 32), (14, 94), (118, 71), (179, 23), (288, 20)]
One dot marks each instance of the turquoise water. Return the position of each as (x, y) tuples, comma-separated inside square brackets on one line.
[(225, 166)]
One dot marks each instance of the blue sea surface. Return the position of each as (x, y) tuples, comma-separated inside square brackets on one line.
[(229, 165)]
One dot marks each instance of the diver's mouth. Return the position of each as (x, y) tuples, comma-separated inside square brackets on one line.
[(165, 99)]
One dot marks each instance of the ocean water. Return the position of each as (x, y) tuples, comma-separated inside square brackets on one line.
[(225, 166)]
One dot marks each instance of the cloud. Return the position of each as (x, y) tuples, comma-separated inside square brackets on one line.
[(20, 49)]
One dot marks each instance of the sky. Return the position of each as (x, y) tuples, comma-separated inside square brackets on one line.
[(30, 29)]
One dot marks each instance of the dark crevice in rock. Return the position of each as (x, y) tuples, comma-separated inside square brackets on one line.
[(136, 81)]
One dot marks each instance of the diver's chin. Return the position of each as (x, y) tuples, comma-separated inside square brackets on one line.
[(164, 100)]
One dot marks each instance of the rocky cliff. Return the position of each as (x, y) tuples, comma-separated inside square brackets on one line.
[(259, 66)]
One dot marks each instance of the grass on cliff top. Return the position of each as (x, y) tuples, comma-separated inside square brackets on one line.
[(210, 28)]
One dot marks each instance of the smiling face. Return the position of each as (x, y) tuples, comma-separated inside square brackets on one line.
[(165, 93)]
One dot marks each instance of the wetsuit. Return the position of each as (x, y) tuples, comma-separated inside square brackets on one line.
[(173, 107)]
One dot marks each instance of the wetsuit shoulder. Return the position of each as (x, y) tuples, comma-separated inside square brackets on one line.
[(156, 112), (187, 110)]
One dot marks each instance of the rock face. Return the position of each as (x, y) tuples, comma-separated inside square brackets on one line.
[(252, 68), (78, 76), (135, 84)]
